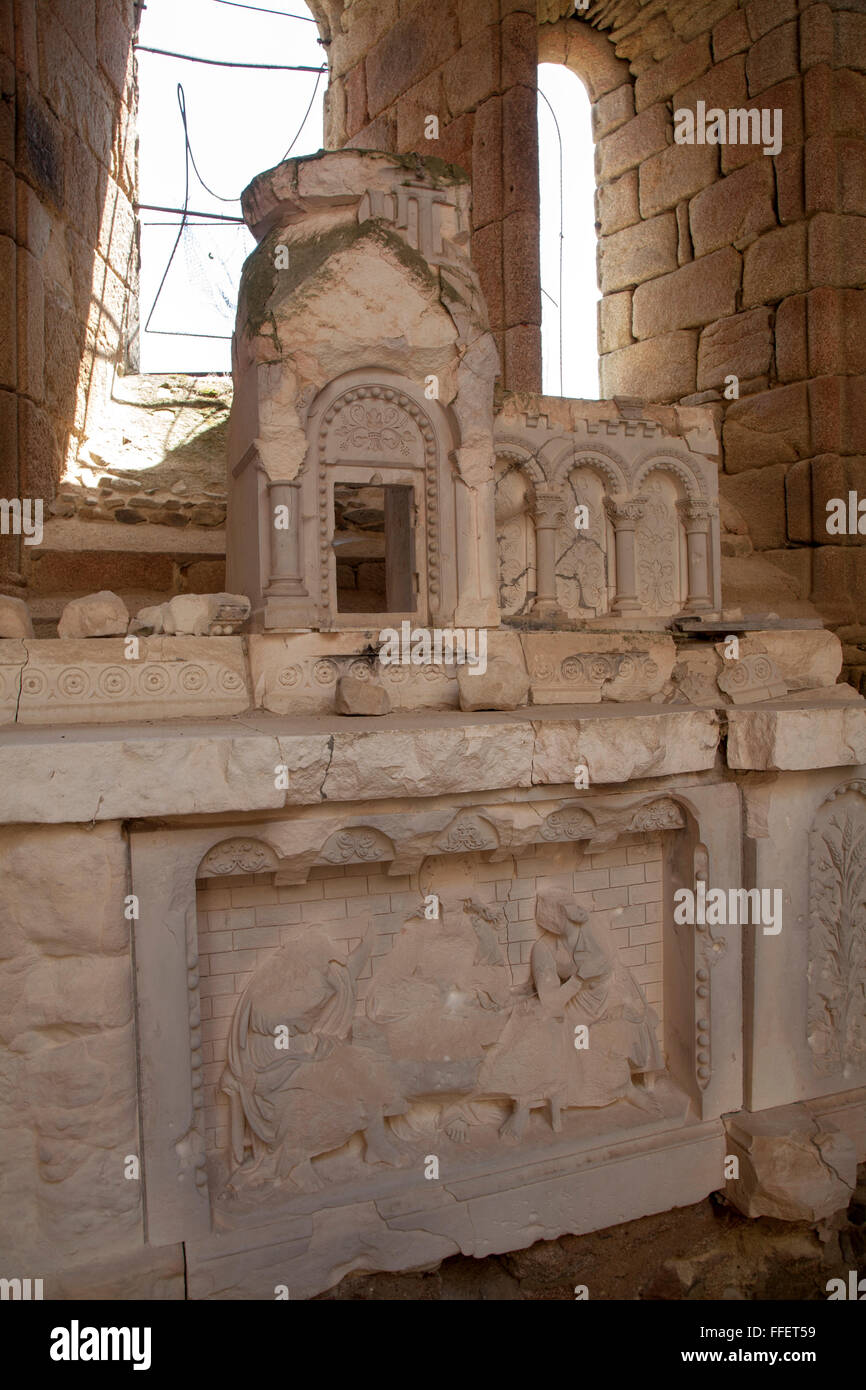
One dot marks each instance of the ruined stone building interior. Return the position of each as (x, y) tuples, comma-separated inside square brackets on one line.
[(433, 847)]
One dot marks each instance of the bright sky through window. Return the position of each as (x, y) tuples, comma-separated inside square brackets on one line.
[(240, 122), (579, 291)]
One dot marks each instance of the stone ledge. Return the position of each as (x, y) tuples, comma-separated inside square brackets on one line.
[(90, 774), (786, 739)]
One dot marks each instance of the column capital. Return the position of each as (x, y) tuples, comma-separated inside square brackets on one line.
[(696, 512), (625, 513), (549, 509)]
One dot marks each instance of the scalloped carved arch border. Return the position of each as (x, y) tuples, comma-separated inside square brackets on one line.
[(609, 466), (670, 463), (529, 463)]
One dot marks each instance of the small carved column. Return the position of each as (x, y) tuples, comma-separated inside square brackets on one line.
[(696, 514), (285, 544), (548, 513), (625, 517)]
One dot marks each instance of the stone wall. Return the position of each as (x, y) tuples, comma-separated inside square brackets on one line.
[(68, 245), (68, 1109), (713, 260), (471, 64)]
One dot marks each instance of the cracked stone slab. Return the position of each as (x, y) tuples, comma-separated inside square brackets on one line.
[(793, 739), (13, 656), (426, 762), (617, 749)]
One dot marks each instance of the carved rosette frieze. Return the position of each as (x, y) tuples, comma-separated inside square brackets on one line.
[(580, 677), (53, 690), (836, 1014), (750, 679)]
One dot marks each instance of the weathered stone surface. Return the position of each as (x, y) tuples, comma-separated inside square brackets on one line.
[(614, 321), (793, 1166), (661, 369), (589, 668), (196, 615), (771, 427), (428, 760), (97, 615), (612, 111), (356, 696), (773, 58), (735, 210), (13, 655), (634, 142), (14, 618), (638, 253), (64, 914), (98, 682), (675, 174), (760, 494), (731, 35), (618, 203), (617, 749), (807, 659), (504, 685), (775, 266), (695, 294), (791, 739), (664, 78), (741, 346), (299, 674), (837, 250)]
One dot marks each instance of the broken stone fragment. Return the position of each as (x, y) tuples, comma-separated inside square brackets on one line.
[(194, 615), (502, 686), (96, 615), (356, 696), (793, 1165), (14, 617)]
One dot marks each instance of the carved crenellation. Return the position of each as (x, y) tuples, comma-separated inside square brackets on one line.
[(836, 1016)]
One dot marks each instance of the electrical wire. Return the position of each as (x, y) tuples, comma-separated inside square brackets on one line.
[(561, 229), (224, 62), (306, 114), (181, 101), (257, 9)]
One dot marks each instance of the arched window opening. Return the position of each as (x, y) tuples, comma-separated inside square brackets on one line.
[(569, 287), (206, 128)]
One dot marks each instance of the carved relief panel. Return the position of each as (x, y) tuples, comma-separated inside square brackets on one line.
[(836, 1025), (625, 520)]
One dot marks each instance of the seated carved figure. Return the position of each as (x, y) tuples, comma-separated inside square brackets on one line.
[(578, 980), (289, 1104)]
